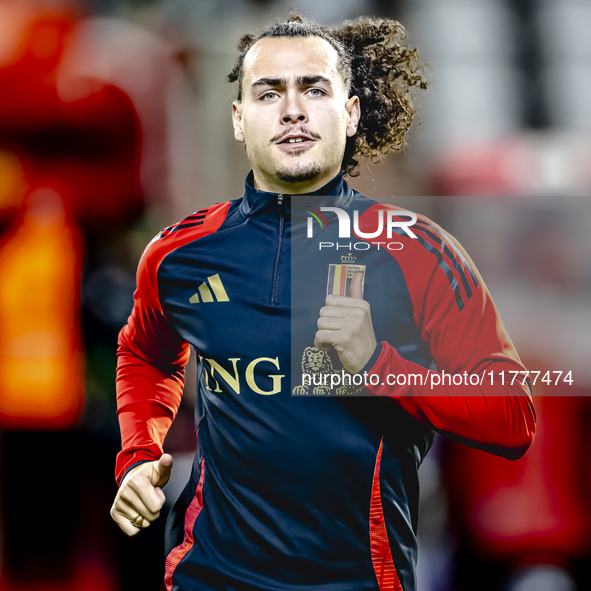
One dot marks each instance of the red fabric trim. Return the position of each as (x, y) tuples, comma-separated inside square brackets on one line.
[(381, 556), (178, 553)]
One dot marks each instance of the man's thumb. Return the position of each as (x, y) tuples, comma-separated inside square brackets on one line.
[(163, 469), (355, 290)]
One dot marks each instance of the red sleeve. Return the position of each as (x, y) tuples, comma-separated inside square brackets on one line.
[(150, 373), (459, 321), (152, 355)]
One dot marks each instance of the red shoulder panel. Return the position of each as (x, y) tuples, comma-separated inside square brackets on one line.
[(201, 223)]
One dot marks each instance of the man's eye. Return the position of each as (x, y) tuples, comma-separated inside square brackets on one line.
[(269, 95), (316, 92)]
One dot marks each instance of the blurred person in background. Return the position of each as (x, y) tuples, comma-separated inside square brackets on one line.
[(289, 491)]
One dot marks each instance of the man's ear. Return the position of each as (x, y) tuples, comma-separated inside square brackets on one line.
[(353, 109), (237, 121)]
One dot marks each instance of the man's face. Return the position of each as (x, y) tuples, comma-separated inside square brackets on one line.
[(295, 115)]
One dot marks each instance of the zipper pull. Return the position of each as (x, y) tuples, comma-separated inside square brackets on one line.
[(279, 202)]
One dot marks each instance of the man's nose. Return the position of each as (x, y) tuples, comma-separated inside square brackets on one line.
[(293, 111)]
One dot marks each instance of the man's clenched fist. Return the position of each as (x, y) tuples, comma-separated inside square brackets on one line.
[(345, 324), (140, 497)]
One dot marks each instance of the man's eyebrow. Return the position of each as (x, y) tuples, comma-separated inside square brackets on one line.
[(269, 82), (305, 80), (300, 81)]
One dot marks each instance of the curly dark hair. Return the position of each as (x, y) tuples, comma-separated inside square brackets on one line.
[(375, 66)]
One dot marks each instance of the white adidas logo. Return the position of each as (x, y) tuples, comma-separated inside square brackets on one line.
[(205, 293)]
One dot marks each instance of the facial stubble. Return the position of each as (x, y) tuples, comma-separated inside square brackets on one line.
[(299, 172)]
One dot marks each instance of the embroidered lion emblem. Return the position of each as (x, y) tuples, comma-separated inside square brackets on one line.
[(315, 361), (315, 364)]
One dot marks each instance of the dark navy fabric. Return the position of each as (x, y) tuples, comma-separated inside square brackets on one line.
[(288, 479)]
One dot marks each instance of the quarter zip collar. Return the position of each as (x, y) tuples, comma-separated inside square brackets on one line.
[(336, 193)]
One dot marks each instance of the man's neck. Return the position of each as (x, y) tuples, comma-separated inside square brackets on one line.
[(274, 185)]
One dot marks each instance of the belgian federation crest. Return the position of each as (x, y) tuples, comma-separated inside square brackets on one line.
[(339, 276)]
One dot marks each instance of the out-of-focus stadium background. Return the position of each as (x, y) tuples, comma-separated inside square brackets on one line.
[(115, 122)]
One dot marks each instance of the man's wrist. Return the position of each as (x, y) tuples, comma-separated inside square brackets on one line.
[(373, 359), (134, 465)]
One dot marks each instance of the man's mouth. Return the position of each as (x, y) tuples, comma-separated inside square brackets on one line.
[(297, 142), (295, 139), (298, 138)]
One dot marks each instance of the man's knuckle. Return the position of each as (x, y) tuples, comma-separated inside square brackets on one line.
[(137, 486), (125, 495), (135, 480), (114, 512)]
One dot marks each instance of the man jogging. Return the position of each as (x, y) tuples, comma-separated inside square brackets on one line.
[(334, 334)]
